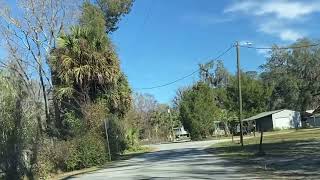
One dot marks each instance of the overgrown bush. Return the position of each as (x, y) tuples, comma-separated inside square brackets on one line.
[(86, 151), (81, 152), (132, 137), (60, 154), (45, 165), (72, 124), (117, 132), (86, 144), (94, 115)]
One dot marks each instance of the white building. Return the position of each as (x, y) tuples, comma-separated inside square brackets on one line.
[(279, 119)]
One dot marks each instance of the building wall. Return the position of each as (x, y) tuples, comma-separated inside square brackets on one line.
[(286, 119), (265, 123), (314, 121)]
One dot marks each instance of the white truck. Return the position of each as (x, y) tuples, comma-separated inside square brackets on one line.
[(181, 134)]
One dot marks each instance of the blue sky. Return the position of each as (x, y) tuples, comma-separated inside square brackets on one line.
[(162, 40)]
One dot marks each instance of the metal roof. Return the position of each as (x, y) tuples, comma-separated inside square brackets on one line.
[(316, 111), (310, 111), (264, 114)]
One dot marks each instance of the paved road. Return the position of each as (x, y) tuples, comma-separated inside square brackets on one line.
[(186, 160)]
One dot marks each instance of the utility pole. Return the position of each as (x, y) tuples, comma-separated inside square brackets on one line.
[(171, 122), (107, 136), (239, 89)]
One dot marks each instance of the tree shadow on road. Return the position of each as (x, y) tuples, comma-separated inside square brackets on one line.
[(196, 163), (288, 159), (298, 158), (119, 162)]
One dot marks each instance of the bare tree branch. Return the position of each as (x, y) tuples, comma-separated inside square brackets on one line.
[(31, 36)]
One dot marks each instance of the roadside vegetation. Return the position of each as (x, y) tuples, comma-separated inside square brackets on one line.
[(289, 79), (66, 104)]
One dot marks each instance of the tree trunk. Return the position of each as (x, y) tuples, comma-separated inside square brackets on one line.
[(43, 88), (226, 129)]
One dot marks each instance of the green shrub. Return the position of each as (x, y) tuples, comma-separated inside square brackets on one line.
[(44, 166), (72, 158), (81, 152), (117, 135), (72, 124), (86, 151), (52, 158), (132, 138), (60, 153)]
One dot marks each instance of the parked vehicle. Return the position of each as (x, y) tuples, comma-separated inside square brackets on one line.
[(181, 134)]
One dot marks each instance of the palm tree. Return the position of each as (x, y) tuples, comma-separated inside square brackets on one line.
[(85, 64)]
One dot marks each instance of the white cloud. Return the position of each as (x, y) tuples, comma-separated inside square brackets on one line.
[(289, 35), (281, 30), (288, 9), (244, 6), (280, 8), (277, 17)]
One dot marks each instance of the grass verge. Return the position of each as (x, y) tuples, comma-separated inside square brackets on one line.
[(290, 154), (128, 154)]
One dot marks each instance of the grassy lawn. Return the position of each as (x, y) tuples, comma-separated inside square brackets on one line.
[(288, 153)]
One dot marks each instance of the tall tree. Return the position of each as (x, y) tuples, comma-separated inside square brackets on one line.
[(86, 67), (295, 75), (113, 11), (214, 73), (17, 125), (198, 110), (144, 106), (30, 33), (255, 95)]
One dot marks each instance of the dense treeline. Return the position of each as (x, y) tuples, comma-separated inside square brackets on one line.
[(61, 86), (289, 79), (151, 120), (65, 103)]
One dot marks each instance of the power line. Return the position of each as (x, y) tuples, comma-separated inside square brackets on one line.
[(186, 76), (289, 47), (222, 54), (169, 83)]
